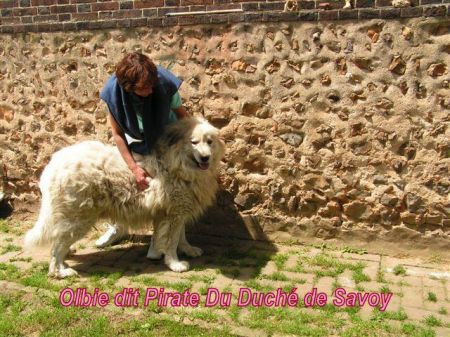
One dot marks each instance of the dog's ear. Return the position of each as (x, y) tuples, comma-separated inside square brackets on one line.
[(174, 135)]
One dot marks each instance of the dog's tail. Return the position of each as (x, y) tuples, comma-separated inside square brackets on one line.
[(38, 235)]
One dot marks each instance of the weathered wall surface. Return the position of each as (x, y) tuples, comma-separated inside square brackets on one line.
[(334, 129)]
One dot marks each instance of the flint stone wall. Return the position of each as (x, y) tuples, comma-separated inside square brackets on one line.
[(335, 130)]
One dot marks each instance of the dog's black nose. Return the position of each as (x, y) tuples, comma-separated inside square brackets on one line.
[(204, 158)]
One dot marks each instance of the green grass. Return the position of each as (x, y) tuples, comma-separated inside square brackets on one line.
[(47, 318), (432, 297), (358, 274), (10, 248), (360, 251), (385, 289), (280, 260), (276, 276), (432, 321), (412, 330), (399, 270), (399, 315), (443, 311)]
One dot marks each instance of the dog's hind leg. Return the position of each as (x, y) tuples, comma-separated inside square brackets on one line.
[(114, 234), (166, 239), (57, 267), (186, 248), (152, 253)]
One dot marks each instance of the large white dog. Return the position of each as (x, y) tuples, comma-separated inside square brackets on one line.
[(89, 181)]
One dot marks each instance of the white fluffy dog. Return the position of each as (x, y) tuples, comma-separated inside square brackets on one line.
[(89, 181)]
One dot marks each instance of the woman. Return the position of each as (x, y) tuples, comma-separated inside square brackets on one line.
[(142, 99)]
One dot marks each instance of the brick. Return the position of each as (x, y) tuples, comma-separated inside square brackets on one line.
[(195, 2), (164, 11), (44, 27), (271, 6), (26, 19), (84, 8), (124, 23), (219, 2), (348, 14), (249, 6), (220, 18), (411, 12), (390, 13), (364, 3), (43, 2), (24, 11), (170, 21), (132, 13), (197, 8), (126, 5), (6, 12), (383, 3), (24, 3), (82, 1), (7, 29), (69, 26), (306, 4), (435, 11), (19, 29), (43, 10), (11, 21), (64, 17), (253, 17), (63, 9), (105, 15), (84, 16), (429, 2), (193, 20), (82, 25), (8, 3), (148, 3), (45, 18), (140, 22), (168, 3), (105, 6), (307, 16), (150, 12), (328, 15), (236, 17), (62, 2), (102, 24), (369, 13), (154, 22)]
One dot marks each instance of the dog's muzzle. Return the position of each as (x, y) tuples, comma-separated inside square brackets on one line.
[(203, 164)]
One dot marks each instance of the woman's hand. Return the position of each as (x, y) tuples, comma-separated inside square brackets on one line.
[(141, 176)]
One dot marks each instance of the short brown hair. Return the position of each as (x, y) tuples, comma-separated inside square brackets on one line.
[(136, 69)]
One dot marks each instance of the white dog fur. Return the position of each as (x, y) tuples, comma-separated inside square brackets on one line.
[(89, 181)]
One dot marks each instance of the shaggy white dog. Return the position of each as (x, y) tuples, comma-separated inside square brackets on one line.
[(89, 181)]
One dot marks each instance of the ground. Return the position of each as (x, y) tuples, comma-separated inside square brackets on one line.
[(30, 304)]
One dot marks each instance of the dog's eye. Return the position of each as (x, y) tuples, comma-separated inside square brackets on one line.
[(194, 142), (209, 141)]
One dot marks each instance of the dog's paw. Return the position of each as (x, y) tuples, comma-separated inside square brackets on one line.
[(193, 251), (179, 266), (66, 272), (72, 249), (153, 254)]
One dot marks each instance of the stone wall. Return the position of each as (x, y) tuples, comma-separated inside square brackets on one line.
[(335, 130)]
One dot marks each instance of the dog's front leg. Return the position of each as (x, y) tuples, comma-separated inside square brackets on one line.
[(166, 238), (185, 246)]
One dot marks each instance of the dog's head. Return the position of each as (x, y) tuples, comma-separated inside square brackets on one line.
[(195, 145)]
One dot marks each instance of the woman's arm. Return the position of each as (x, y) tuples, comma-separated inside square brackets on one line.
[(181, 112), (119, 138)]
